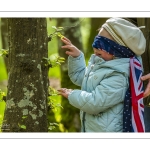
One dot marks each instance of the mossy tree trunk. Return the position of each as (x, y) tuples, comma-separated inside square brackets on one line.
[(70, 114), (26, 101)]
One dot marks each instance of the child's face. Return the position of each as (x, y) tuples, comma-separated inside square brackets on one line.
[(101, 53)]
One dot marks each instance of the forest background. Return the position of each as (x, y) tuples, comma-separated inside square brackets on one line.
[(81, 31)]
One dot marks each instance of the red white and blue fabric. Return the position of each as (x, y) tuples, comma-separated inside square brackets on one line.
[(137, 91), (133, 111)]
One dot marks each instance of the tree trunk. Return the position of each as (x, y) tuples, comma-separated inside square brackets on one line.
[(70, 114), (26, 102)]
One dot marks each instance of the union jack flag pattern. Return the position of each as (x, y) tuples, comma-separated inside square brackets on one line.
[(137, 91), (133, 113)]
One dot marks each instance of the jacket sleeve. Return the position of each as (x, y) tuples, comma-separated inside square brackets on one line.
[(76, 69), (108, 93)]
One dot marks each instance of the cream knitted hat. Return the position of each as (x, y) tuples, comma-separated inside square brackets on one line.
[(127, 34)]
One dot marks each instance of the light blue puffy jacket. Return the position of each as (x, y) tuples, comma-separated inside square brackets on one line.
[(103, 87)]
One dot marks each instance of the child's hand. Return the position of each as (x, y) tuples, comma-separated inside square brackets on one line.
[(74, 51), (64, 92)]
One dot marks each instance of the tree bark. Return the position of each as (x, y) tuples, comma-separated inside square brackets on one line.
[(26, 102)]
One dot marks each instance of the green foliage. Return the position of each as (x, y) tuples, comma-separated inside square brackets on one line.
[(51, 102), (22, 126), (53, 106), (53, 62), (52, 91), (4, 52), (56, 33), (2, 95), (52, 126), (24, 117)]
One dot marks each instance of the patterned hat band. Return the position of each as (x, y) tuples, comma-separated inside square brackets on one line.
[(112, 33)]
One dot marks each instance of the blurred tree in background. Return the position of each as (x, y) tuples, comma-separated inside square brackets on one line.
[(70, 114), (3, 63), (4, 35), (95, 24)]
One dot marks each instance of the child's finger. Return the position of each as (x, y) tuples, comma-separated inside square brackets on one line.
[(69, 53), (64, 38), (67, 47), (65, 41)]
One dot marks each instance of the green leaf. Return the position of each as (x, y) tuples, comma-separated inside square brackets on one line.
[(59, 105), (53, 124), (54, 27), (58, 63), (50, 128), (61, 28), (61, 58), (23, 126), (24, 117), (60, 35), (4, 52)]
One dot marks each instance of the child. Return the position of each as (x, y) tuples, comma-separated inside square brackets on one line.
[(104, 82)]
